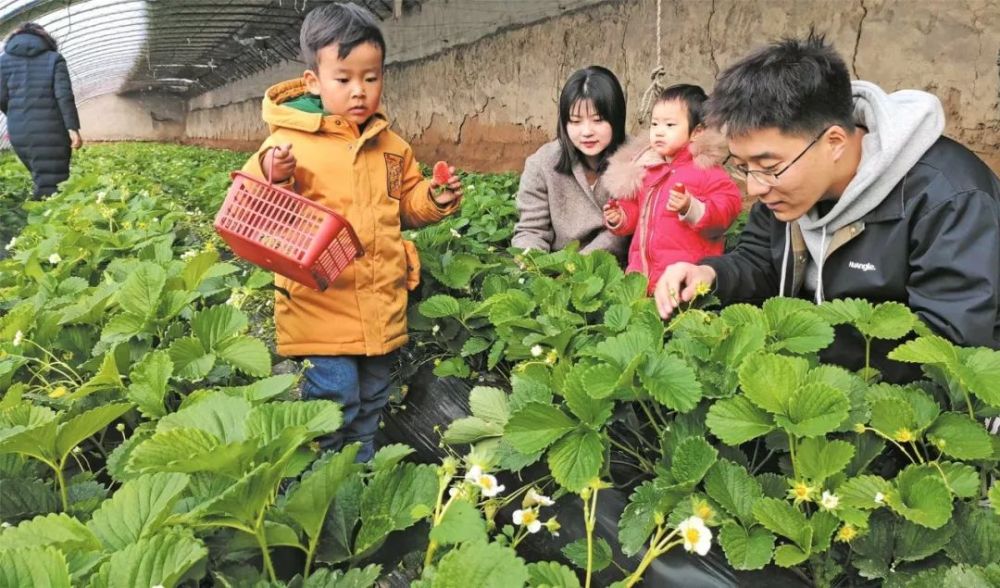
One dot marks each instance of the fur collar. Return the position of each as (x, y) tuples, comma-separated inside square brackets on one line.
[(627, 167)]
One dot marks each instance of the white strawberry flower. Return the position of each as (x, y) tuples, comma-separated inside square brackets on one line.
[(879, 498), (54, 259), (829, 501), (533, 498), (9, 246), (528, 518), (456, 234), (697, 537), (188, 254), (435, 329), (486, 482), (18, 337), (537, 351)]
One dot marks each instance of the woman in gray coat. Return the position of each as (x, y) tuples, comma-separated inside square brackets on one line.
[(561, 197), (37, 97)]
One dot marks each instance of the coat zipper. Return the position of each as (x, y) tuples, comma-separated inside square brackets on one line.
[(647, 229)]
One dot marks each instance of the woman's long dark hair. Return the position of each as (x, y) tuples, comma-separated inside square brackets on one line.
[(601, 87), (36, 29)]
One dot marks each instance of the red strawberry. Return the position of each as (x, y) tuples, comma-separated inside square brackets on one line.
[(441, 173)]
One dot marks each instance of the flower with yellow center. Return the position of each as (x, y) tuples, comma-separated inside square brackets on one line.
[(702, 288), (58, 392), (847, 533), (528, 518), (703, 510), (535, 498), (802, 492), (486, 482), (697, 537), (903, 435)]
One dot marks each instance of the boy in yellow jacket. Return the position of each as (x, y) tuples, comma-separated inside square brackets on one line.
[(332, 144)]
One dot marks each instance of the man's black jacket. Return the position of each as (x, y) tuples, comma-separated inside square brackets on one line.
[(932, 244)]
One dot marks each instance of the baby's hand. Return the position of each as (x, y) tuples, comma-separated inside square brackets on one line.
[(680, 200), (279, 163), (612, 214), (451, 190)]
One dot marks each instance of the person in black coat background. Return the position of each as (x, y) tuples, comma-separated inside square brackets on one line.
[(37, 97)]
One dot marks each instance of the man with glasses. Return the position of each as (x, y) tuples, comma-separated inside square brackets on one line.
[(859, 196)]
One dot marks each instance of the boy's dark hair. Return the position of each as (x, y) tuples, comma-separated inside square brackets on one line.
[(347, 25), (799, 86), (692, 96), (602, 88)]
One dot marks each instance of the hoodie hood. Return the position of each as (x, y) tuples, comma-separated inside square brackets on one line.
[(902, 126), (627, 167), (287, 105), (26, 45)]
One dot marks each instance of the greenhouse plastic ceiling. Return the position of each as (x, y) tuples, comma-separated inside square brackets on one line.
[(182, 47)]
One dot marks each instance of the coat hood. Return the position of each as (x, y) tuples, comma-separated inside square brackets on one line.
[(277, 114), (627, 167), (26, 45)]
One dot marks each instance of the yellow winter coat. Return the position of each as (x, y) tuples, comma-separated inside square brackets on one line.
[(372, 179)]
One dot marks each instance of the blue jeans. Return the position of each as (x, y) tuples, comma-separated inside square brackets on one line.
[(360, 384)]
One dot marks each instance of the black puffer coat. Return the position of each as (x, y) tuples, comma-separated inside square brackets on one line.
[(37, 97)]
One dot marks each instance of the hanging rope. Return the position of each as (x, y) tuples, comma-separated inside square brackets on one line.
[(656, 84)]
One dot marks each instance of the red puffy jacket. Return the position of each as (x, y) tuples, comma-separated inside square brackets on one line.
[(641, 182)]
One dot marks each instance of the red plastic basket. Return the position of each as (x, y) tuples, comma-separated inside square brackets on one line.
[(279, 230)]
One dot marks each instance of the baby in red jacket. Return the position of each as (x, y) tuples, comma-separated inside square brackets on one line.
[(672, 195)]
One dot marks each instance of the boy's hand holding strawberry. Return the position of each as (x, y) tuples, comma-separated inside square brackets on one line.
[(279, 164), (446, 188)]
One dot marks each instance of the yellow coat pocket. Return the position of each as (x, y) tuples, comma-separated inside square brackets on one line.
[(412, 265)]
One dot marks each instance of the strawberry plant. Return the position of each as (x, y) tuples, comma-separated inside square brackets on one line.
[(145, 438)]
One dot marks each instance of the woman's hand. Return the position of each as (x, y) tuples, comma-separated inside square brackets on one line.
[(75, 140)]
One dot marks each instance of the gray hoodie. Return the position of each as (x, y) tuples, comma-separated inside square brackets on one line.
[(902, 126)]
